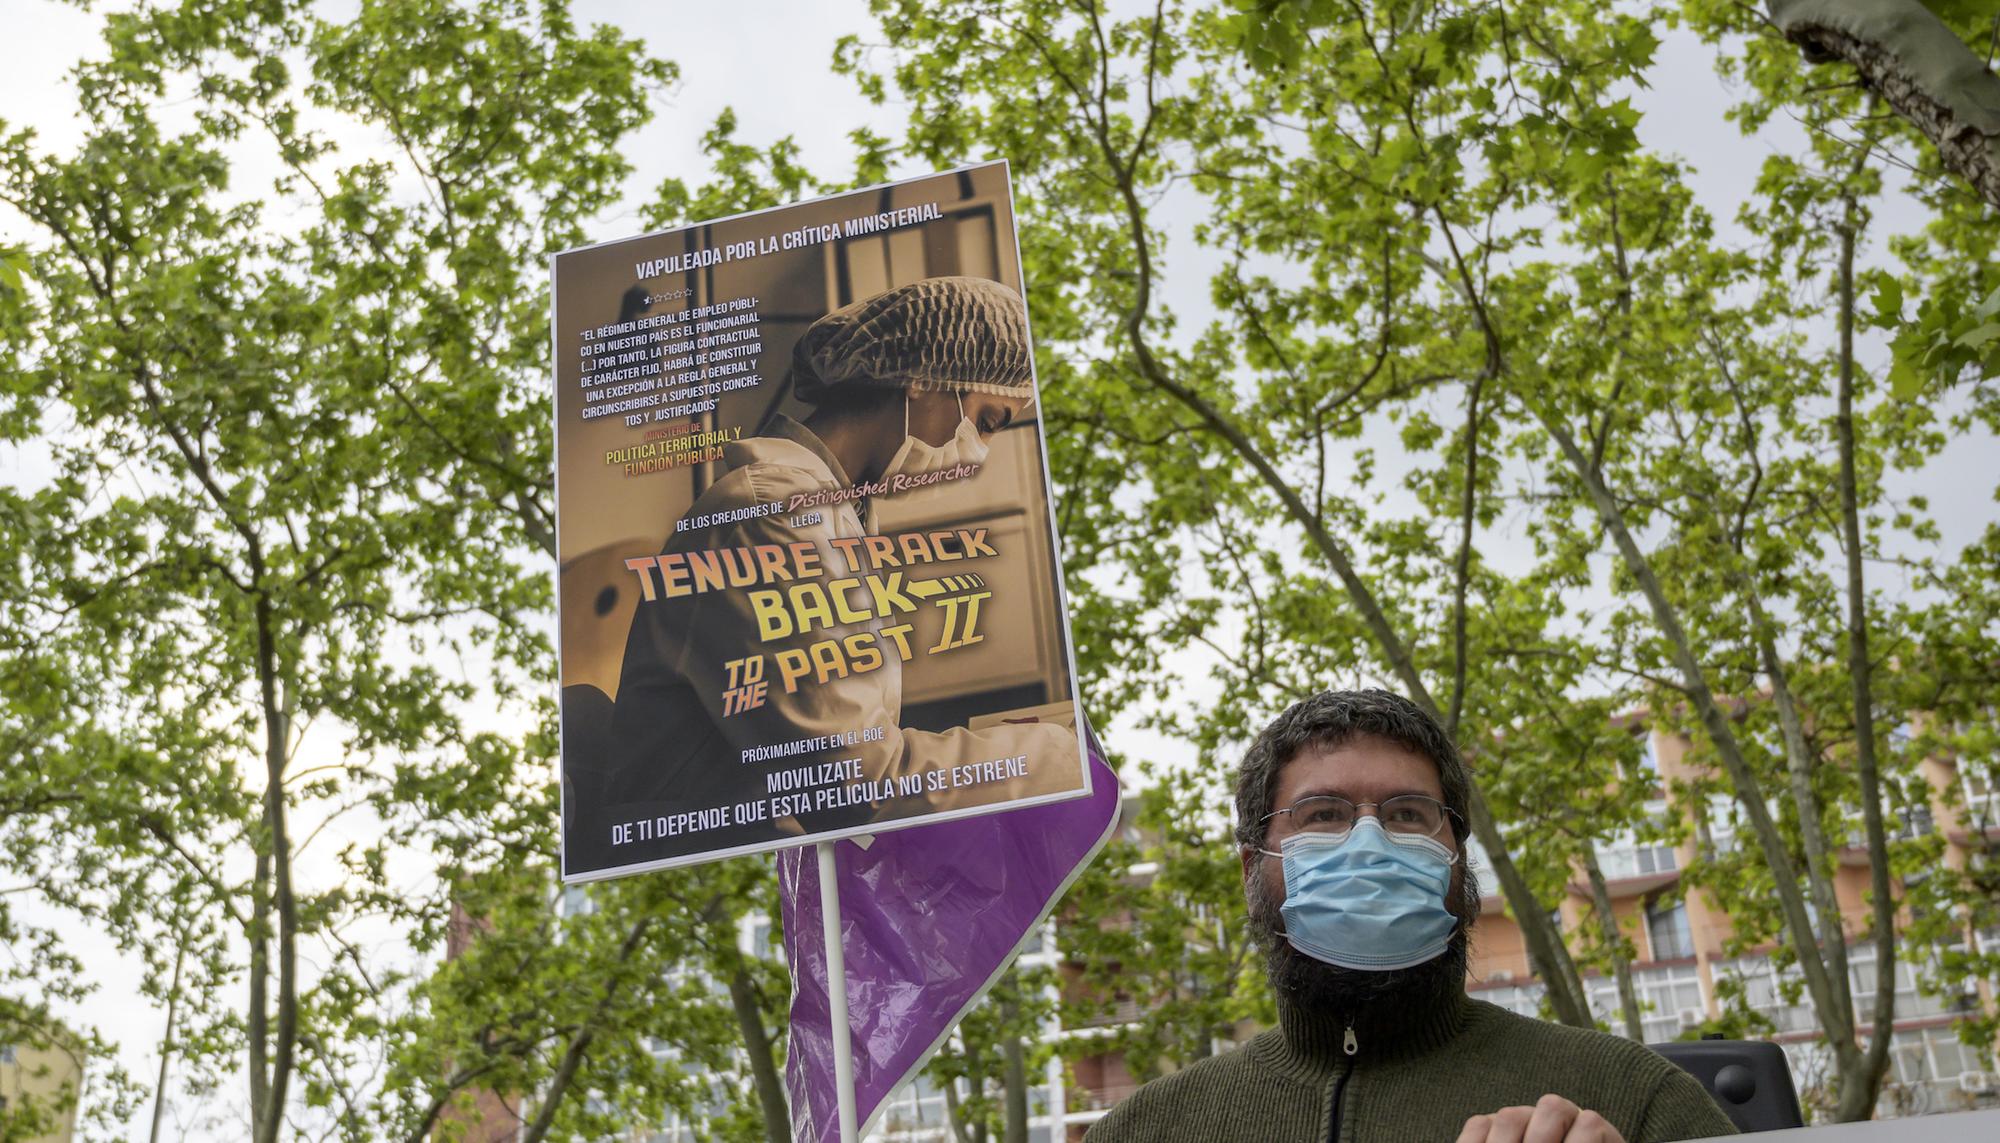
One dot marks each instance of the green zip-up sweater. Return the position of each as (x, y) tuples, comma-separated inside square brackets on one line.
[(1410, 1078)]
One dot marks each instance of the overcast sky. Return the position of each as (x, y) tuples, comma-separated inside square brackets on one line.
[(769, 60)]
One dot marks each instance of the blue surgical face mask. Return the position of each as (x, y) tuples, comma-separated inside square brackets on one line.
[(1370, 900)]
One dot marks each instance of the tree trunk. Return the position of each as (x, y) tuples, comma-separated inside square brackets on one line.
[(1614, 942), (1925, 72), (257, 1022), (579, 1045), (1798, 767), (285, 902), (1014, 1068), (964, 1129), (951, 1116), (559, 1085), (1544, 943), (1860, 1083), (167, 1043), (1819, 860), (1835, 1022), (763, 1071)]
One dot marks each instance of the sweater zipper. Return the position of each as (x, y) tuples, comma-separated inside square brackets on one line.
[(1348, 1046)]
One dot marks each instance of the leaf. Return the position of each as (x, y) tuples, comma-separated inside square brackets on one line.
[(1904, 381), (1978, 336), (13, 267), (1887, 300), (1990, 306)]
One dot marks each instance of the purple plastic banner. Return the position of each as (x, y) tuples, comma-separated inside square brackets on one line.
[(931, 917)]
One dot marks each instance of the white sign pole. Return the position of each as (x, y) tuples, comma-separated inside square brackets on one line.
[(836, 992)]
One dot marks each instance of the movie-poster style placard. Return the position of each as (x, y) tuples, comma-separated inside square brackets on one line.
[(808, 585)]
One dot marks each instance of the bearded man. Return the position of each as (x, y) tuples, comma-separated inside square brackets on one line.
[(1351, 820)]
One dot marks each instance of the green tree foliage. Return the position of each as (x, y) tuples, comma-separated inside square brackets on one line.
[(991, 1058), (277, 602), (1931, 63), (1454, 305), (1375, 346), (1167, 969)]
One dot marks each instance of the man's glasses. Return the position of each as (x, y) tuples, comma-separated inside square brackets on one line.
[(1413, 815)]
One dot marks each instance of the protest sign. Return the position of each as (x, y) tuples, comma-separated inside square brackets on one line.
[(805, 531)]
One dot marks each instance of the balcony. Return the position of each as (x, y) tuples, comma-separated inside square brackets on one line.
[(1631, 869), (1625, 862), (1125, 1011), (1104, 1099), (1979, 814)]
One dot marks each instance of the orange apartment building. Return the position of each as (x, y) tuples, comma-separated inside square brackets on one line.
[(486, 1116), (48, 1077), (1680, 939)]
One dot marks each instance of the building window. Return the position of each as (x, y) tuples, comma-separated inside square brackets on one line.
[(1649, 763), (1901, 735), (1932, 1055), (1721, 823), (1475, 855), (6, 1053), (761, 937), (1910, 999), (1778, 996), (1667, 929), (1657, 859), (1624, 857), (1036, 942), (1982, 806), (1671, 999), (1520, 999), (1915, 822)]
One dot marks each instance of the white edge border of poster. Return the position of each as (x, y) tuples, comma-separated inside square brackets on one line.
[(555, 573), (1055, 550)]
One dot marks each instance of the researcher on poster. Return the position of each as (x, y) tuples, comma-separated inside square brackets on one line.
[(908, 384)]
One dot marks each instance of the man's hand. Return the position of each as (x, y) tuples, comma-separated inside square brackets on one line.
[(1552, 1120)]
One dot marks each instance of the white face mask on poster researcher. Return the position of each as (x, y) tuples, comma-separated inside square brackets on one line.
[(917, 457)]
